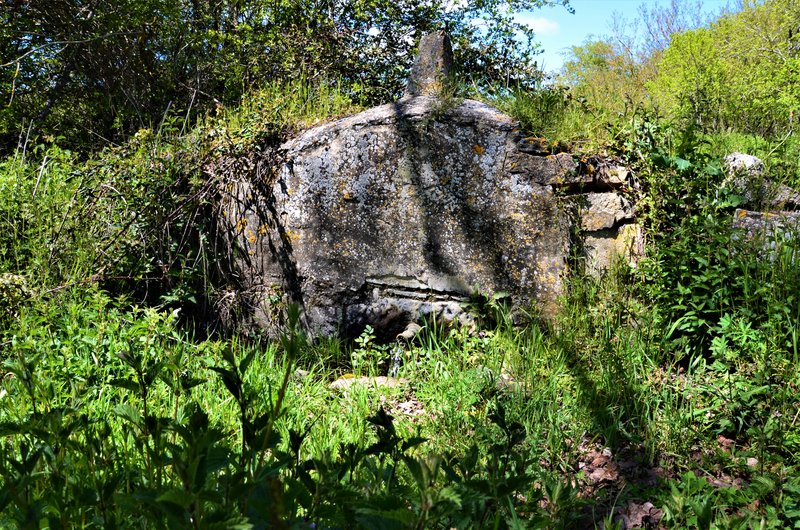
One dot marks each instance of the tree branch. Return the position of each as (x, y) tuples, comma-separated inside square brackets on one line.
[(66, 43)]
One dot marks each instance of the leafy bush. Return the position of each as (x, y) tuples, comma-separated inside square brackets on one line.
[(739, 74), (114, 410), (92, 77), (137, 218), (698, 269), (557, 114)]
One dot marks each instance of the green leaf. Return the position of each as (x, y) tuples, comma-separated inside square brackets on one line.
[(128, 413), (245, 364), (177, 497), (413, 442), (127, 384), (230, 380), (385, 519), (187, 382), (681, 164)]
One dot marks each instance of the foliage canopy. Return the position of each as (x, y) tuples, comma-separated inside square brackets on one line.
[(96, 71), (738, 73)]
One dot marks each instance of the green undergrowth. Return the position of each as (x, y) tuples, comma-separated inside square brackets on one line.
[(669, 388), (552, 112), (118, 410), (138, 217), (109, 408), (580, 126)]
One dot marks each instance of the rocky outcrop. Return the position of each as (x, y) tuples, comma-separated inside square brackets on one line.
[(603, 248), (770, 226), (770, 218), (745, 175), (769, 214), (401, 211), (404, 210), (605, 216)]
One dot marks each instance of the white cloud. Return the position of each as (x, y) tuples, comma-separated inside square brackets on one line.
[(539, 25)]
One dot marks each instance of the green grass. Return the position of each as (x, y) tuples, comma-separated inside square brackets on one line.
[(553, 113)]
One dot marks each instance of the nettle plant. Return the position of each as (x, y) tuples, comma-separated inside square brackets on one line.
[(727, 304), (699, 270), (116, 423)]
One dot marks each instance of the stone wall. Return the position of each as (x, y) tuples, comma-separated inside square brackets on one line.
[(769, 217)]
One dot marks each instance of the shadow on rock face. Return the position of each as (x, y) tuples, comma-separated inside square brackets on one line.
[(399, 213)]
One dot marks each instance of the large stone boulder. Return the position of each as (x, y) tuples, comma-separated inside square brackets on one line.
[(770, 219), (398, 212), (405, 210)]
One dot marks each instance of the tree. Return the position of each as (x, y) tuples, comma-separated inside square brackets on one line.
[(617, 70), (741, 73), (94, 71)]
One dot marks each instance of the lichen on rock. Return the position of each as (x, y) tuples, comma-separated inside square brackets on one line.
[(392, 214), (433, 66), (404, 210)]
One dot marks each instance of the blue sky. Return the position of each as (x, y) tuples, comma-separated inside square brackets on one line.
[(557, 29)]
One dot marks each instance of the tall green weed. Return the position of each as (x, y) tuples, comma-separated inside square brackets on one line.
[(138, 218)]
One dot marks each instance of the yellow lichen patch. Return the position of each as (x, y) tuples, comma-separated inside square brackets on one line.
[(262, 230), (241, 224), (479, 149), (742, 214), (538, 142), (292, 235), (251, 237)]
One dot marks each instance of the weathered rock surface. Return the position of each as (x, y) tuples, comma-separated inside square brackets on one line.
[(777, 222), (433, 66), (768, 228), (381, 381), (743, 164), (401, 211), (602, 248), (768, 236), (601, 211), (746, 175), (405, 210)]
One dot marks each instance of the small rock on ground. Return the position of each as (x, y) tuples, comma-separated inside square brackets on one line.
[(344, 383)]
